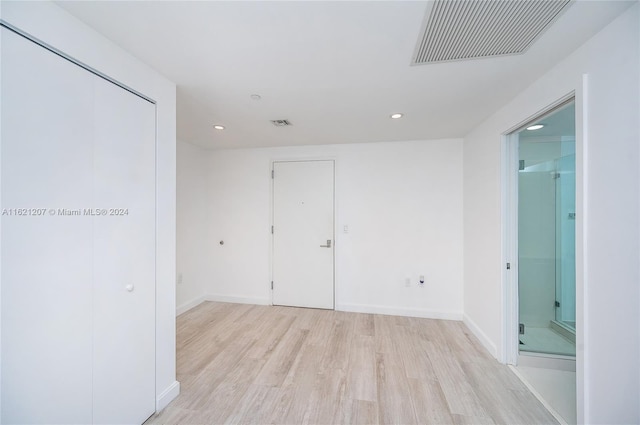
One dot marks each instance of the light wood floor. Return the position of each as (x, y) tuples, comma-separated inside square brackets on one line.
[(280, 365)]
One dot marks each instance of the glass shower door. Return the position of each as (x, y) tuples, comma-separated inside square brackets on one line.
[(546, 234)]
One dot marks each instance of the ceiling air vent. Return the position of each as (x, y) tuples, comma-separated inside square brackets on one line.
[(466, 29), (280, 123)]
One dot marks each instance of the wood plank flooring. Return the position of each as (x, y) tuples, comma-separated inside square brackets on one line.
[(249, 364)]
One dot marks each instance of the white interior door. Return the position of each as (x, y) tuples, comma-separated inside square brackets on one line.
[(123, 257), (303, 239), (78, 343), (47, 133)]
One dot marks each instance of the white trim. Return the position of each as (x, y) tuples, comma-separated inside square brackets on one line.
[(237, 299), (400, 311), (509, 224), (509, 200), (582, 182), (484, 339), (184, 307), (170, 393), (537, 395)]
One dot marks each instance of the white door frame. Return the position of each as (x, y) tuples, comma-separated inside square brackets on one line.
[(336, 236), (509, 351), (509, 172), (509, 195)]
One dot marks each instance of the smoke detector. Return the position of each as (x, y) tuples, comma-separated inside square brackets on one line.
[(281, 123)]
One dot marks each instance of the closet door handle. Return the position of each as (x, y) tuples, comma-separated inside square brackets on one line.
[(129, 287), (328, 245)]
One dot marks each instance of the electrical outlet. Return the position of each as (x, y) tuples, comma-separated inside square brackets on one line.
[(179, 279), (407, 282)]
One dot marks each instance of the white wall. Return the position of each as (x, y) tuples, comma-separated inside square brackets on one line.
[(402, 202), (49, 23), (608, 352), (191, 226)]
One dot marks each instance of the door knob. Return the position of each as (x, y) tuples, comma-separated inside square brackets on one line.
[(129, 287), (328, 245)]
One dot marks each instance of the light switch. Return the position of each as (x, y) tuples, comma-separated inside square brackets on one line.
[(345, 229)]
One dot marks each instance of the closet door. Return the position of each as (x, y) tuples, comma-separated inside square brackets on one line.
[(46, 154), (123, 256), (78, 243)]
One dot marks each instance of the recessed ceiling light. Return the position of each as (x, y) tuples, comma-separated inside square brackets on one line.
[(396, 116), (535, 127), (219, 127), (256, 97)]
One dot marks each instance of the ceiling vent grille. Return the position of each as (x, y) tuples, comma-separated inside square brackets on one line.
[(281, 123), (466, 29)]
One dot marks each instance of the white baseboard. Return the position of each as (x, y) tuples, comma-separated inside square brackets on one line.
[(167, 396), (400, 311), (237, 299), (484, 339), (183, 308)]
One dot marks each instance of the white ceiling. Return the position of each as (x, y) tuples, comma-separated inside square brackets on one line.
[(336, 70)]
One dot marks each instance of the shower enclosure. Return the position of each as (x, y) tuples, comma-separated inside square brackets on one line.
[(546, 234)]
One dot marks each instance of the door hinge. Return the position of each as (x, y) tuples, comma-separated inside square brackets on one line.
[(273, 173), (508, 266), (557, 304), (272, 285), (272, 230)]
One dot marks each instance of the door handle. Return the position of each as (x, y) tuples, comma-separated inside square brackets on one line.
[(328, 245)]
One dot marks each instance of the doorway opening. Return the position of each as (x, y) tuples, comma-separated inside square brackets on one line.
[(540, 251), (546, 233)]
